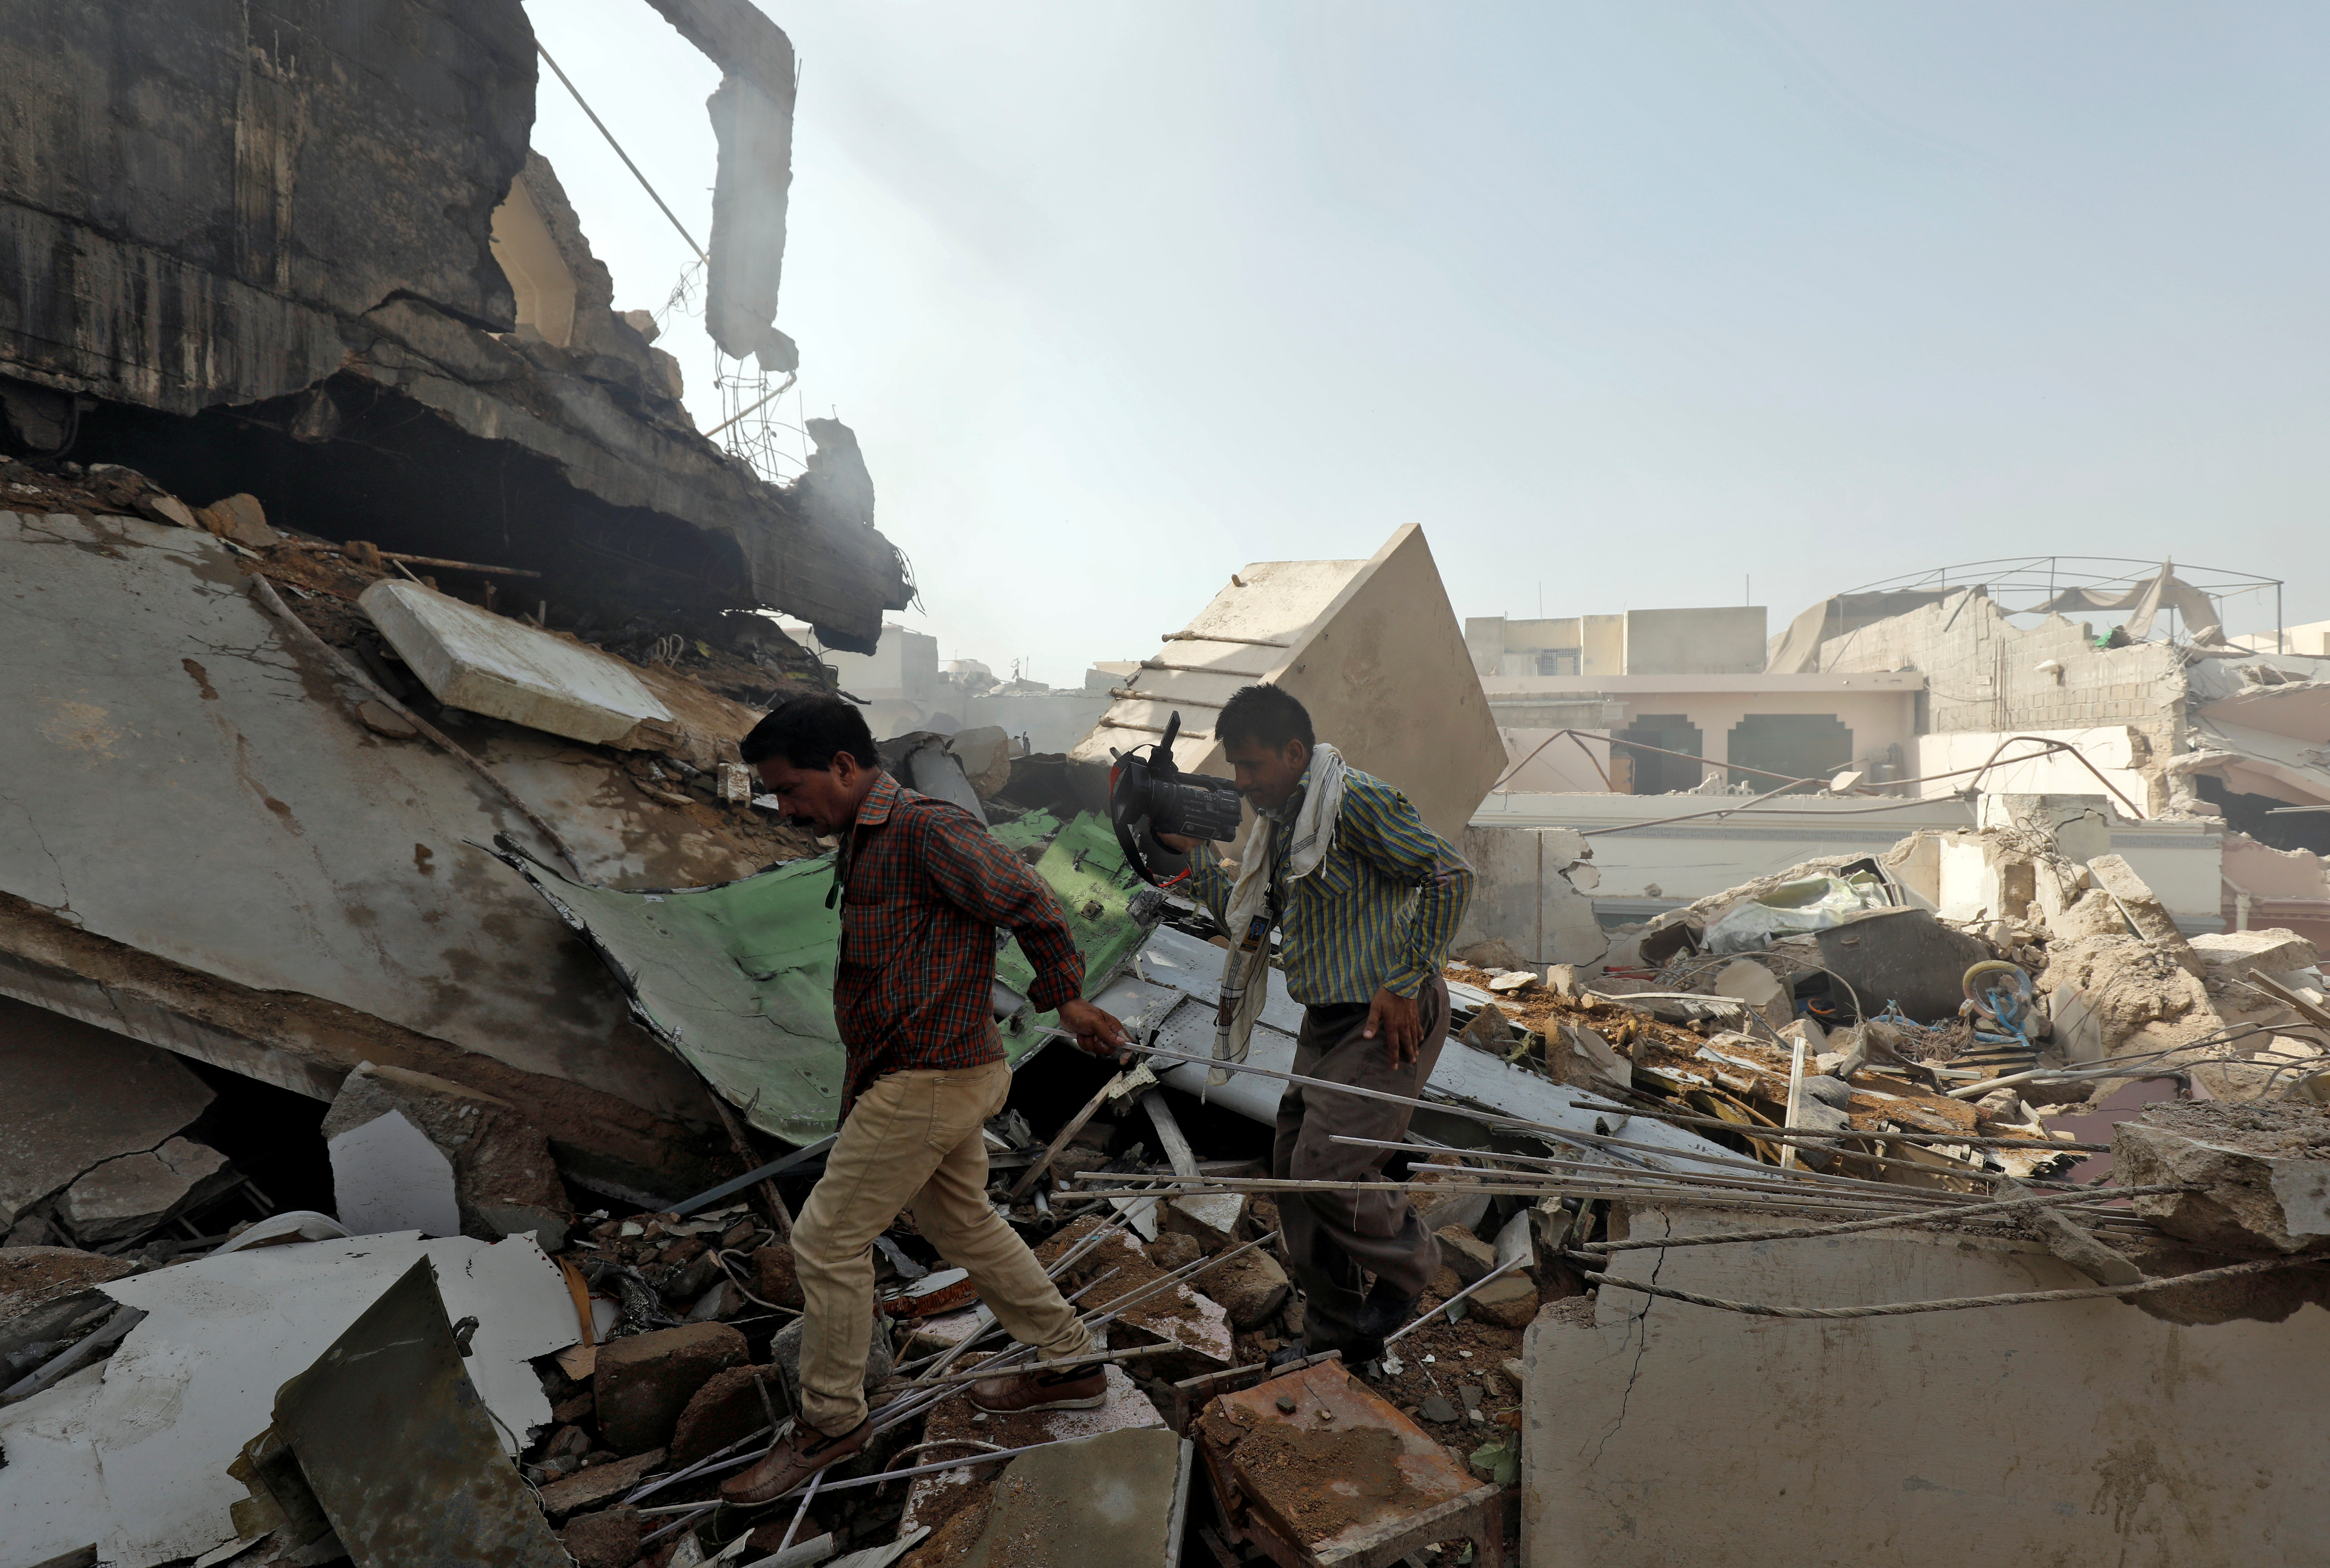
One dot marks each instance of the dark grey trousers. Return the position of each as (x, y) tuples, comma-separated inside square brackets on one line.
[(1327, 1237)]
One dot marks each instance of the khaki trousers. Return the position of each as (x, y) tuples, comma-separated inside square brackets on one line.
[(912, 1139)]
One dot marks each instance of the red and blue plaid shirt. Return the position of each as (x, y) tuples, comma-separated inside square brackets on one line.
[(924, 887)]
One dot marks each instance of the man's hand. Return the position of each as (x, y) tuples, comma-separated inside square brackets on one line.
[(1393, 1015), (1096, 1032)]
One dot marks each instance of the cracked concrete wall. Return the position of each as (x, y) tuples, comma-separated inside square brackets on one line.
[(1527, 892), (1982, 672), (2017, 1436), (193, 194)]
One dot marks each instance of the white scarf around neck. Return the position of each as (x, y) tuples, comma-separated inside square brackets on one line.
[(1245, 969)]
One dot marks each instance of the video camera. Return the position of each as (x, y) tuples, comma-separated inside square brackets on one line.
[(1150, 795)]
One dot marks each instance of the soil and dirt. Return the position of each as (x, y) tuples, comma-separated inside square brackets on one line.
[(1322, 1482)]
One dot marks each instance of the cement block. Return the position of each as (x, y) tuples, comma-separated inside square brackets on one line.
[(1251, 1287), (2272, 951), (1212, 1222), (727, 1408), (2142, 907), (472, 658), (606, 1539), (1466, 1253), (641, 1384)]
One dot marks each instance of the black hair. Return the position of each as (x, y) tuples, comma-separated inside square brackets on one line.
[(1270, 715), (811, 732)]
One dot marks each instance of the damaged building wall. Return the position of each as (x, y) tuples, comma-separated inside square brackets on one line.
[(1530, 890), (193, 201), (254, 253), (2120, 753), (1984, 672), (2077, 1432)]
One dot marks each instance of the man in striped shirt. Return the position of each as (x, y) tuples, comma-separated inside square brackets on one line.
[(1363, 936)]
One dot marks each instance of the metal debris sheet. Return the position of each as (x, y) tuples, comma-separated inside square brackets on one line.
[(737, 977)]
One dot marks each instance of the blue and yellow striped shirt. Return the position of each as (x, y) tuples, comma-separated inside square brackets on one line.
[(1378, 912)]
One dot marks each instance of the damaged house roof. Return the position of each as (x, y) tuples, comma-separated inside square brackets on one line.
[(302, 251)]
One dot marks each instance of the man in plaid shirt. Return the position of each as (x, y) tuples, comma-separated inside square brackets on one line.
[(922, 886)]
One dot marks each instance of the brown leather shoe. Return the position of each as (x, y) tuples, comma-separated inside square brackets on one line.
[(797, 1456), (1066, 1389)]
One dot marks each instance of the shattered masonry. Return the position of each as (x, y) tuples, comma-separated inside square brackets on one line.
[(1905, 1036)]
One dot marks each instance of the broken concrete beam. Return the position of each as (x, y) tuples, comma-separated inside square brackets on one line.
[(2142, 907), (489, 664), (126, 1198), (642, 1383), (77, 1095), (504, 1181), (2240, 952), (2265, 1165)]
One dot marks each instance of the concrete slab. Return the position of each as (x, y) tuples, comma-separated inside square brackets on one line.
[(76, 1096), (1370, 647), (2077, 1432), (126, 1198), (178, 754), (1116, 1499), (934, 1498), (489, 664)]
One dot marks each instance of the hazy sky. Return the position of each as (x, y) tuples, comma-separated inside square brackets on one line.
[(1625, 303)]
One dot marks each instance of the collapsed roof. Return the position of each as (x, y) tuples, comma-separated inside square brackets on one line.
[(277, 254)]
